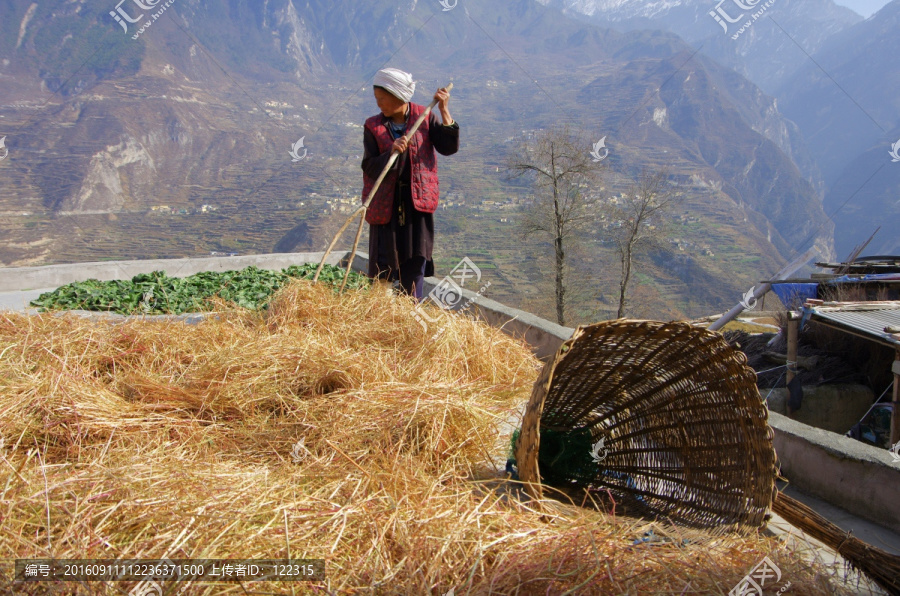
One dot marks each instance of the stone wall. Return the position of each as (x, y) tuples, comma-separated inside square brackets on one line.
[(834, 408)]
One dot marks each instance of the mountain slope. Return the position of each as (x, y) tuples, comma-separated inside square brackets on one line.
[(847, 106), (865, 196), (768, 52), (223, 89), (850, 97), (764, 53)]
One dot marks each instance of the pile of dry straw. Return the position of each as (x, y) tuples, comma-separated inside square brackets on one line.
[(151, 439)]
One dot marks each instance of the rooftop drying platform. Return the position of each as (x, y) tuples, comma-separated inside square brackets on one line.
[(859, 478)]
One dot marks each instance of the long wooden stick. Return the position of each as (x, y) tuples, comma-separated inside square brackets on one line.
[(361, 211), (882, 567)]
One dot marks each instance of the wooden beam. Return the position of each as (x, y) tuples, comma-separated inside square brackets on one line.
[(792, 345), (895, 410)]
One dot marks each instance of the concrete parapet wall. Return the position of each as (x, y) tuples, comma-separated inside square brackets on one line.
[(852, 475), (543, 336)]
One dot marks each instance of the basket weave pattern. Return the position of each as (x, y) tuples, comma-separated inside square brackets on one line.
[(684, 430)]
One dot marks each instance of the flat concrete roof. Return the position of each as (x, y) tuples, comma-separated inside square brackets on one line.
[(17, 279), (18, 301)]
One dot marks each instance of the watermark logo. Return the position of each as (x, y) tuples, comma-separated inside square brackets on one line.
[(146, 588), (4, 152), (447, 6), (447, 294), (749, 300), (894, 152), (122, 17), (753, 582), (147, 301), (298, 453), (295, 150), (595, 452), (596, 154), (149, 586), (724, 17), (895, 452)]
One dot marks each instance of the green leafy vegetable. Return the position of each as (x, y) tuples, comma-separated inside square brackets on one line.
[(157, 293)]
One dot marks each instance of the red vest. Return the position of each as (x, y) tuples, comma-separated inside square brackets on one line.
[(423, 176)]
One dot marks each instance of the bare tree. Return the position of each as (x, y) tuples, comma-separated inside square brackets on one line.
[(562, 172), (636, 219)]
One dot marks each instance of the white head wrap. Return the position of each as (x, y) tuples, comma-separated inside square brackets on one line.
[(400, 84)]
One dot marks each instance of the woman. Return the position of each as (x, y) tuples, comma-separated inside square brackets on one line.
[(400, 217)]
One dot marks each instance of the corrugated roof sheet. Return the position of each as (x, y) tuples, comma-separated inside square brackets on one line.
[(867, 320)]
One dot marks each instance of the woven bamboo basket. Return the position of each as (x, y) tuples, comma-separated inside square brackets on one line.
[(664, 418)]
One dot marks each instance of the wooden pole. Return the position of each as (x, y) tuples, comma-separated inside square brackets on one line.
[(895, 405), (362, 210), (792, 345)]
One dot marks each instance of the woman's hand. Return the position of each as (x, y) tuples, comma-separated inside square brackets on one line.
[(400, 145), (443, 98)]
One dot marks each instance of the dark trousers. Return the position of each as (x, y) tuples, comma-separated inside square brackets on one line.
[(412, 277)]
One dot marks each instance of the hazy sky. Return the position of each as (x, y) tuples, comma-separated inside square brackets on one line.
[(864, 7)]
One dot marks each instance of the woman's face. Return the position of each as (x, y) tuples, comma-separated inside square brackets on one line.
[(389, 104)]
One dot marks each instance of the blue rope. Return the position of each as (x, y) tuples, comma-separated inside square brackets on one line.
[(762, 372), (774, 388)]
